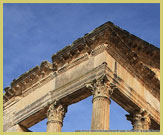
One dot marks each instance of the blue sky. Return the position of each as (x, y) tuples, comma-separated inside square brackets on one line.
[(34, 32)]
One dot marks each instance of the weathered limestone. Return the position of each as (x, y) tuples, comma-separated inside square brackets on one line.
[(55, 115), (22, 129), (140, 120), (105, 60), (24, 83), (101, 103), (18, 128)]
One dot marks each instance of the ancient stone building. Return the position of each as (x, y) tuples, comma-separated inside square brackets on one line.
[(108, 63)]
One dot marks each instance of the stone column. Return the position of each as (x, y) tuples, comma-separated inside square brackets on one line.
[(55, 114), (101, 103), (140, 120)]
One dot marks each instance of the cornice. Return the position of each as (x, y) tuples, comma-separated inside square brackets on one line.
[(137, 54), (26, 80)]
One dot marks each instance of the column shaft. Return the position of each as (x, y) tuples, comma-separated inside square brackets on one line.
[(54, 127), (101, 91), (100, 113)]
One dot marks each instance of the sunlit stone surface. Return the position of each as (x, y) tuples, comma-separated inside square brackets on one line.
[(108, 63)]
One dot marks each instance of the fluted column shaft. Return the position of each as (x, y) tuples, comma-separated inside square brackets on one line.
[(100, 113), (101, 103), (55, 114), (140, 120)]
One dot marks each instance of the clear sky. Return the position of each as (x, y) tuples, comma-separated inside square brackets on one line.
[(34, 32)]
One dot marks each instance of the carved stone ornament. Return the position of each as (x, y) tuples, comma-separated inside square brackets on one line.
[(140, 119), (56, 113), (100, 87)]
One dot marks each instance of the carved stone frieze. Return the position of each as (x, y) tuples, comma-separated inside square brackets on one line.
[(99, 49), (79, 59), (73, 63)]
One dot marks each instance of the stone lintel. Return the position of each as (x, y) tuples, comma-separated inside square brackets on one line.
[(65, 96), (29, 115)]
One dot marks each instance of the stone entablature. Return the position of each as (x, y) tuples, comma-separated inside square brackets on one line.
[(62, 94), (137, 53), (37, 75), (97, 64)]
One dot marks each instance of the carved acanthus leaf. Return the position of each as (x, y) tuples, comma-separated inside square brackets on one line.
[(140, 119), (100, 87), (56, 112)]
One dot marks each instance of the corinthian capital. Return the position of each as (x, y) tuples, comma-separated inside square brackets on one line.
[(100, 87), (56, 113), (140, 119)]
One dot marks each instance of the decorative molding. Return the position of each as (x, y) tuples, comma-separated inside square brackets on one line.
[(136, 52), (81, 58), (95, 74), (28, 80), (148, 53), (140, 102), (136, 56), (55, 95), (33, 108), (151, 83), (99, 49), (73, 63)]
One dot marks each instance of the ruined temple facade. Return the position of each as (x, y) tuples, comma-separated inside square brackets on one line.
[(108, 63)]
